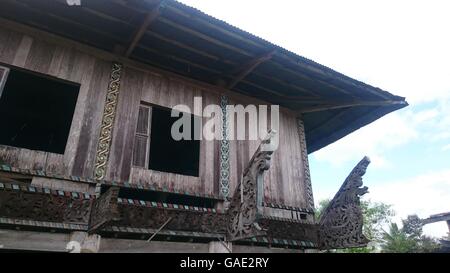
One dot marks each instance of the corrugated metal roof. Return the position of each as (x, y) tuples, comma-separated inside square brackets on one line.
[(187, 41)]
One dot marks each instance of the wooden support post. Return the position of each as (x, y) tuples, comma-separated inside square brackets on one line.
[(82, 242)]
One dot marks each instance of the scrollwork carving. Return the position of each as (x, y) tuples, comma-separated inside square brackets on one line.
[(44, 207), (247, 200), (182, 220), (342, 221), (109, 114), (104, 209), (224, 151), (306, 174)]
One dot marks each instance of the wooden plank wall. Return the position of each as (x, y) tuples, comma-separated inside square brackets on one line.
[(283, 183), (149, 88), (68, 64)]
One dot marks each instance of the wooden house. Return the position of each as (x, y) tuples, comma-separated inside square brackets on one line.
[(86, 163)]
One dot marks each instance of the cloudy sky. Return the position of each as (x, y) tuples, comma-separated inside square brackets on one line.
[(400, 46)]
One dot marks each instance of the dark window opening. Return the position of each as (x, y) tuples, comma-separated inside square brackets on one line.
[(36, 111), (167, 154)]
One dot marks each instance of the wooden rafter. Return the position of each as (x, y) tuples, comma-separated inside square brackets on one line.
[(229, 62), (284, 61), (248, 54), (179, 59), (223, 83), (30, 8), (279, 95), (327, 106), (239, 73), (283, 56), (152, 15)]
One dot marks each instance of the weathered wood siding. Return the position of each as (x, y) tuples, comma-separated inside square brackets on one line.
[(68, 64), (283, 183), (149, 88)]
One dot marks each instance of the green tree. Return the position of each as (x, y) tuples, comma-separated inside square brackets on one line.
[(408, 239), (397, 241), (413, 228)]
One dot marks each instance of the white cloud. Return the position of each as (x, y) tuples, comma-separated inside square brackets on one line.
[(394, 130), (400, 46), (391, 131), (423, 195)]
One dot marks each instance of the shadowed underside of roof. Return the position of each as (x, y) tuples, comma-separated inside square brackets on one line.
[(174, 37)]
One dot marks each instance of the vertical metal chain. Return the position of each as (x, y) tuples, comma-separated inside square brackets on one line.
[(224, 151)]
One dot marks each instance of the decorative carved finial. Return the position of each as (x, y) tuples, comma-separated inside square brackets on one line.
[(341, 223), (247, 199)]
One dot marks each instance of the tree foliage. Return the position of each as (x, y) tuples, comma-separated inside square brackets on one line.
[(396, 241), (408, 239)]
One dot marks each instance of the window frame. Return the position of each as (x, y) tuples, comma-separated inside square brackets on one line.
[(146, 162), (10, 68), (3, 78), (137, 134)]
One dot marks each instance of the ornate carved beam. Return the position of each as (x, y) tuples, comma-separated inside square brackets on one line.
[(104, 210), (139, 216), (33, 204), (341, 223)]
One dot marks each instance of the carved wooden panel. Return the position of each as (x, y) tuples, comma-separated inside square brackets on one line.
[(289, 229), (246, 203), (149, 217), (342, 221), (104, 209), (109, 114), (43, 207)]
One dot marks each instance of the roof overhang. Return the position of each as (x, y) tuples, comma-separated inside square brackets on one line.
[(172, 36)]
